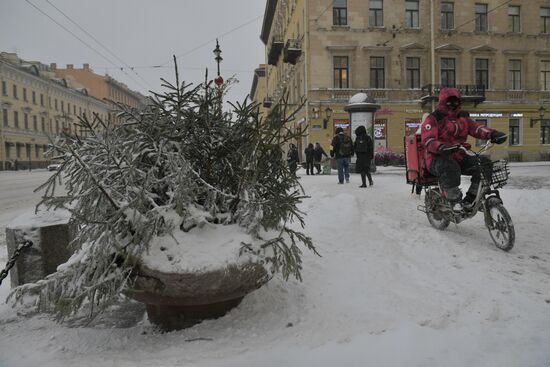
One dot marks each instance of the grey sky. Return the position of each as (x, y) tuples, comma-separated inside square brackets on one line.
[(141, 33)]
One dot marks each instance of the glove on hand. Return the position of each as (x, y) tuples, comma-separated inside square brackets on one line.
[(498, 137), (445, 149)]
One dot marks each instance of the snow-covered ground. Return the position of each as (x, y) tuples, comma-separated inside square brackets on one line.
[(389, 290)]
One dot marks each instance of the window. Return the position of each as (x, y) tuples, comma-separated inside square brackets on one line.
[(26, 121), (56, 104), (447, 16), (545, 132), (4, 88), (57, 126), (514, 20), (341, 71), (41, 100), (25, 94), (18, 150), (413, 72), (62, 106), (412, 18), (340, 12), (514, 132), (448, 72), (481, 17), (74, 109), (376, 13), (16, 119), (5, 117), (545, 75), (15, 91), (35, 123), (545, 20), (43, 123), (37, 150), (482, 72), (377, 72), (480, 142), (33, 97), (514, 74)]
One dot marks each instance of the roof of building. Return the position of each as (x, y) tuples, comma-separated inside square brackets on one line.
[(269, 13)]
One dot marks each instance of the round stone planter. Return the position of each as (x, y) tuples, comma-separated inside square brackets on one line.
[(178, 300)]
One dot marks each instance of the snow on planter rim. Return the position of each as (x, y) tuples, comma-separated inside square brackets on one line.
[(206, 248)]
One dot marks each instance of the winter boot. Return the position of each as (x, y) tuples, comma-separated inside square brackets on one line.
[(454, 196)]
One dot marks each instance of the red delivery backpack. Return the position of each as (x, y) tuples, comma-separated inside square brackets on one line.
[(417, 172)]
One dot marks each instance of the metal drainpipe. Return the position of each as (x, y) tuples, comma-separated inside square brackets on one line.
[(432, 47), (306, 59)]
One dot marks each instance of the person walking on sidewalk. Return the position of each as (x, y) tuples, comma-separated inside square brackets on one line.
[(342, 150), (318, 154), (364, 149), (309, 153)]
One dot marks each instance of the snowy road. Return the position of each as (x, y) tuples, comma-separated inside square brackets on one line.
[(388, 291)]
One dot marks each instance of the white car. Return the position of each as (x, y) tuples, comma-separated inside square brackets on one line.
[(54, 166)]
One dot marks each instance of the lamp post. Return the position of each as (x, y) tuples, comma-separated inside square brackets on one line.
[(217, 51), (541, 110), (328, 115)]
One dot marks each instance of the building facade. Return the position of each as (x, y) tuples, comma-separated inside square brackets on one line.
[(36, 107), (401, 52), (102, 87)]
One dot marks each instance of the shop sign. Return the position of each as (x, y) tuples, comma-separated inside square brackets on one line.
[(494, 114), (315, 126), (411, 126), (380, 130)]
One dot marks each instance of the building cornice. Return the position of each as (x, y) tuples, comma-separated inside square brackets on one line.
[(378, 48), (515, 52), (483, 49), (342, 48), (269, 13), (449, 48), (414, 46)]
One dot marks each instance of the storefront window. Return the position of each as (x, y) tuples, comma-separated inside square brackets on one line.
[(480, 142), (514, 132), (545, 132)]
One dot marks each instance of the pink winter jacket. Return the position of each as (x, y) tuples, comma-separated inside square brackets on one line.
[(445, 126)]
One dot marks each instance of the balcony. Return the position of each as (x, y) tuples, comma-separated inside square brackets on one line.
[(470, 93), (277, 45), (292, 52), (268, 102)]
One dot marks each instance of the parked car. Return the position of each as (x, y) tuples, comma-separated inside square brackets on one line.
[(54, 166)]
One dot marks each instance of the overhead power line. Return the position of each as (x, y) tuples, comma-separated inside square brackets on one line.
[(209, 42), (79, 39), (97, 41)]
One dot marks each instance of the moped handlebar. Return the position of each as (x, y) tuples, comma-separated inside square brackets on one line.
[(485, 147)]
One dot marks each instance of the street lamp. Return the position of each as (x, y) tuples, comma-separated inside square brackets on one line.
[(541, 110), (217, 51), (328, 115)]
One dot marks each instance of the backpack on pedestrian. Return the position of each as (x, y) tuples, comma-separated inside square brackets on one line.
[(346, 146)]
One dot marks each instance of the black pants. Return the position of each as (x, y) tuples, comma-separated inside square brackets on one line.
[(365, 173), (318, 167), (448, 171), (309, 167)]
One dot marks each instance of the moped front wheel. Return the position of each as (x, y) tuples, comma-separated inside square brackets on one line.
[(434, 203), (500, 227)]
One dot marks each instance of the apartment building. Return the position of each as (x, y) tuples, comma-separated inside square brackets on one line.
[(401, 52), (35, 107), (102, 87)]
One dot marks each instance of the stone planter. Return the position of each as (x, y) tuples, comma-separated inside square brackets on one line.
[(179, 300)]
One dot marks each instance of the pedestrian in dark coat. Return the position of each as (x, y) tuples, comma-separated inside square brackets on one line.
[(292, 158), (364, 150), (309, 153), (342, 150), (318, 154)]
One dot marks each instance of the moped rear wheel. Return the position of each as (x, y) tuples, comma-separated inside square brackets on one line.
[(434, 203), (501, 227)]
